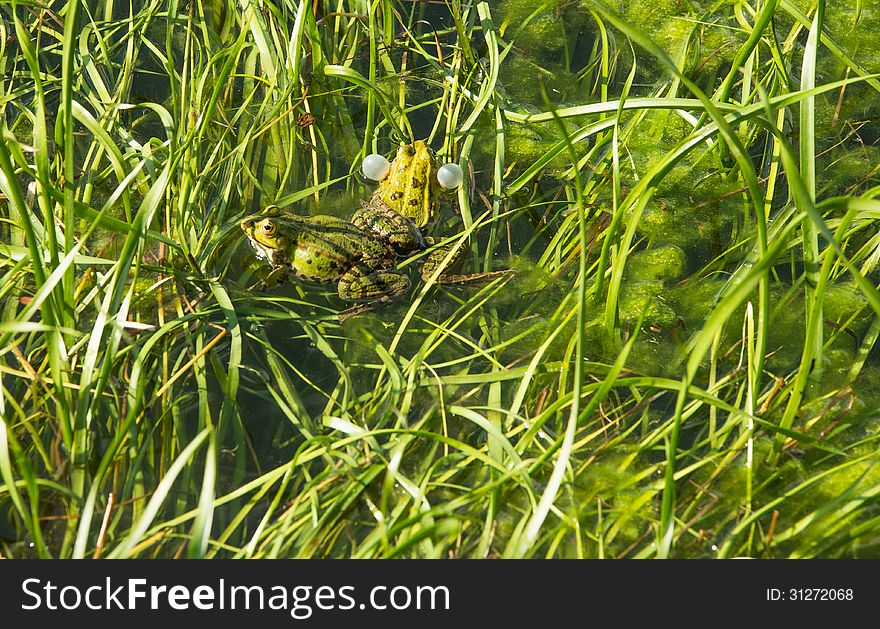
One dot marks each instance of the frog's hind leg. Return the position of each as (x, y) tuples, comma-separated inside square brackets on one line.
[(435, 259), (472, 278), (370, 289)]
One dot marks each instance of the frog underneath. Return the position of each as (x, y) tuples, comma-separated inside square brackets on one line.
[(326, 249)]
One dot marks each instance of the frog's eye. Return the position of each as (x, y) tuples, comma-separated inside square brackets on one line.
[(268, 228), (375, 167), (450, 176)]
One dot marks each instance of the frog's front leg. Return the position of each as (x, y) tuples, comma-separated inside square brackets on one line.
[(277, 276), (435, 259), (371, 287)]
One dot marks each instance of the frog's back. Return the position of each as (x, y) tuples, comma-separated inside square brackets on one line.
[(328, 246), (411, 188)]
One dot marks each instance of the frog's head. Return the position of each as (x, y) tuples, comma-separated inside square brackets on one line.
[(415, 158), (422, 155), (269, 234), (446, 178)]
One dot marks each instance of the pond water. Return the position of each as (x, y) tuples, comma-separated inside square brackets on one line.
[(637, 233)]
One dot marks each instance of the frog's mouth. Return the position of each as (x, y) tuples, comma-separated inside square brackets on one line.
[(263, 252)]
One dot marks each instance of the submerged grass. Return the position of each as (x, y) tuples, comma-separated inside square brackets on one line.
[(683, 364)]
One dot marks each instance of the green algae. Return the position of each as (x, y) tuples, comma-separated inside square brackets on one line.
[(530, 282), (523, 80), (526, 143), (866, 387), (666, 262), (694, 300), (543, 40), (666, 21), (698, 36), (645, 297), (808, 531), (695, 204), (607, 484), (854, 25), (847, 169), (847, 157), (536, 27), (843, 301)]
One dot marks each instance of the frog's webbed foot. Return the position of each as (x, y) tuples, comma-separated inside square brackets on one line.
[(372, 288)]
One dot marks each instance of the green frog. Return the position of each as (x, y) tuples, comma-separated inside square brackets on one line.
[(410, 188), (361, 255), (327, 249)]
